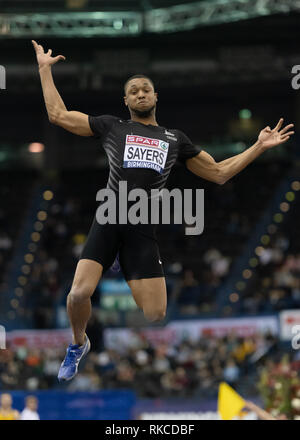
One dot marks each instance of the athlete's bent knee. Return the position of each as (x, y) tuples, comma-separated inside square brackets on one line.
[(157, 314), (79, 295)]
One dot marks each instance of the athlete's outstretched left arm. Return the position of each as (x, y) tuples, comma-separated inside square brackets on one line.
[(204, 165)]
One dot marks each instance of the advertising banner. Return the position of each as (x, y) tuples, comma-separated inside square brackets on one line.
[(289, 320), (39, 338), (192, 330)]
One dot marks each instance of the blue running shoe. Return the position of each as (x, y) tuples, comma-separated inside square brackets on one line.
[(69, 366)]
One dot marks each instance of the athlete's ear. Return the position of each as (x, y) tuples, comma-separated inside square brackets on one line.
[(156, 96), (125, 100)]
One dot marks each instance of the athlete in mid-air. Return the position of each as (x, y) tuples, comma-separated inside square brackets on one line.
[(136, 244)]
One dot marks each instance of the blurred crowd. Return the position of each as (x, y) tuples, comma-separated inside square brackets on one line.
[(16, 190), (275, 285), (183, 370)]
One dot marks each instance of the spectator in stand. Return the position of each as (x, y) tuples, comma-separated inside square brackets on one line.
[(6, 410), (30, 410), (189, 295), (231, 372)]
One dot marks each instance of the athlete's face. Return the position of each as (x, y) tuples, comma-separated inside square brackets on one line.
[(140, 96)]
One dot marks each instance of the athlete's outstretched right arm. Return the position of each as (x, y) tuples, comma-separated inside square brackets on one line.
[(73, 121)]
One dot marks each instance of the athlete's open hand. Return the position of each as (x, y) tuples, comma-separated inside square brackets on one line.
[(45, 59), (270, 138)]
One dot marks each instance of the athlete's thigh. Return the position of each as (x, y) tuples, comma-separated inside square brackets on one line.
[(149, 293), (102, 244), (139, 253), (142, 266)]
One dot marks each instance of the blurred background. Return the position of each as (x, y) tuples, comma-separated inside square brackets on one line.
[(223, 71)]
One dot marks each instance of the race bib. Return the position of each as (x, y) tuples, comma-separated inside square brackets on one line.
[(144, 152)]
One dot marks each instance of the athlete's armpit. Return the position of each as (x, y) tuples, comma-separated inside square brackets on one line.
[(73, 121)]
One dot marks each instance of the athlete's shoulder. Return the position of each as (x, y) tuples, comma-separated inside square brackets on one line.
[(179, 132), (182, 137), (103, 120), (174, 131), (105, 117), (100, 125), (171, 133)]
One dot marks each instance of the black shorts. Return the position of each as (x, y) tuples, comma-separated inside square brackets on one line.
[(137, 246)]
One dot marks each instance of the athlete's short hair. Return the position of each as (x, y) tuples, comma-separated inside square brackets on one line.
[(138, 76)]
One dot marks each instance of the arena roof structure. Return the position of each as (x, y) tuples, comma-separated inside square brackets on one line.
[(116, 18)]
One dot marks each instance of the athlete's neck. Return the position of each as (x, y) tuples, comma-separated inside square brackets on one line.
[(148, 119), (145, 121)]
